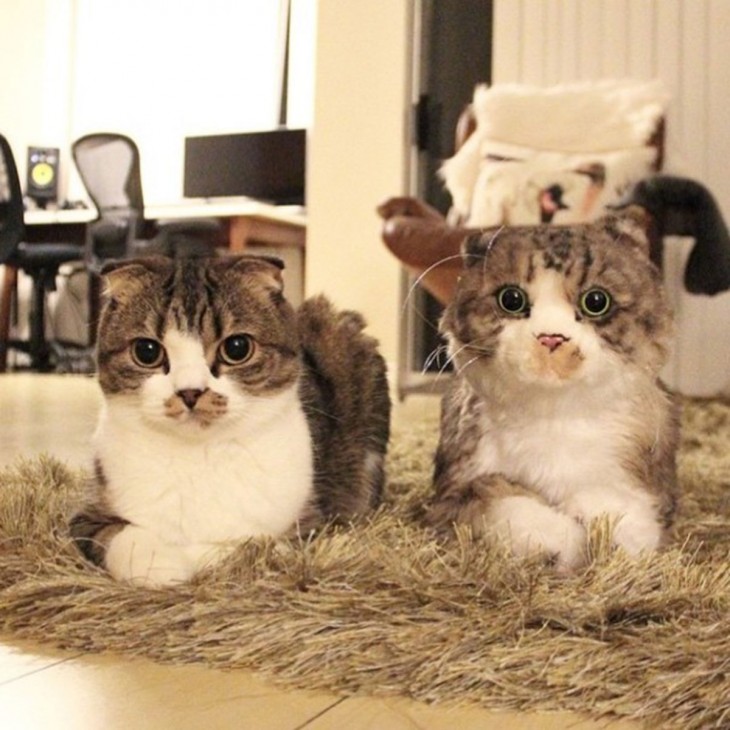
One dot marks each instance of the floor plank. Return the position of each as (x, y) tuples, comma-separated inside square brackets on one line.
[(118, 693)]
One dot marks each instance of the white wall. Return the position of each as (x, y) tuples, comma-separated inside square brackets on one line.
[(35, 56), (158, 70), (683, 43), (357, 157)]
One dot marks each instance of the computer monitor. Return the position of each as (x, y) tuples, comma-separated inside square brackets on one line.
[(268, 166)]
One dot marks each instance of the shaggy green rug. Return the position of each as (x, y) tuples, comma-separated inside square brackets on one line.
[(382, 608)]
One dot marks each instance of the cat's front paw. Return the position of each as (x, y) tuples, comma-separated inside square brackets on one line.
[(138, 556), (530, 527), (635, 523), (637, 533)]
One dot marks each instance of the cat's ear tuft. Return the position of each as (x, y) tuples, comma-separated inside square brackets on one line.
[(476, 246)]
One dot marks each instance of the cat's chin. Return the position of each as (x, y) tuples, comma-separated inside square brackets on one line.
[(518, 380), (192, 421), (549, 380), (187, 425)]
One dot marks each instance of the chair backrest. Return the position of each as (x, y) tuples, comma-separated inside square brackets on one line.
[(11, 203), (109, 166), (466, 124)]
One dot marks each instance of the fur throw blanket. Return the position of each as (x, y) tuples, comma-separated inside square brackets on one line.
[(559, 154)]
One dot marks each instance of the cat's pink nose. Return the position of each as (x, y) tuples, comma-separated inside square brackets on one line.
[(190, 396), (552, 342)]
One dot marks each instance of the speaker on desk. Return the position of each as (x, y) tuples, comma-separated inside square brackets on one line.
[(42, 177)]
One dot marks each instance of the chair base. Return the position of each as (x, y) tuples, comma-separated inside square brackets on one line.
[(61, 358), (43, 354)]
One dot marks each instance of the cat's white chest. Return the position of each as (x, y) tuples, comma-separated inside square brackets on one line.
[(574, 457), (226, 484), (558, 453)]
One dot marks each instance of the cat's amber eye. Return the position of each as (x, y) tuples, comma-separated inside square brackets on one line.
[(512, 300), (148, 353), (236, 349), (595, 302)]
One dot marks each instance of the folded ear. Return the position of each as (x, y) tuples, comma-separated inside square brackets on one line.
[(632, 222), (128, 277), (477, 246), (266, 270)]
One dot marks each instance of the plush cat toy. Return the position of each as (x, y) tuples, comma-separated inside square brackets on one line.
[(556, 415)]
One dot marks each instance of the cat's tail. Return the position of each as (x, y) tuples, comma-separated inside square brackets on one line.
[(345, 394)]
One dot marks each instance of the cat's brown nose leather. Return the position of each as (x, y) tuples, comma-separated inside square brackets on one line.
[(552, 342), (190, 396)]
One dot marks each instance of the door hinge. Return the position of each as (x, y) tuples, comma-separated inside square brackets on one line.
[(421, 123)]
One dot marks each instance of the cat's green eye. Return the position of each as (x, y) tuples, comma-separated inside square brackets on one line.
[(236, 349), (148, 353), (595, 302), (512, 300)]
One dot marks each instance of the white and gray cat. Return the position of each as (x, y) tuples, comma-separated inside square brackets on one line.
[(556, 415), (226, 414)]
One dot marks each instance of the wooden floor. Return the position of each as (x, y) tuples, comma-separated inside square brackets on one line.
[(46, 689)]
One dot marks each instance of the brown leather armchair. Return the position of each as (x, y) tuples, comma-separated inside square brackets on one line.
[(421, 239)]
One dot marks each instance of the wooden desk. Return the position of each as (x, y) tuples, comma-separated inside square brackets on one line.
[(249, 221), (52, 226)]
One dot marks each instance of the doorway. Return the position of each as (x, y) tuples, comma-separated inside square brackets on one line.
[(452, 54)]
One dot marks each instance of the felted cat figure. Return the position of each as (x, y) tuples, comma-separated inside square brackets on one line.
[(555, 416), (226, 414)]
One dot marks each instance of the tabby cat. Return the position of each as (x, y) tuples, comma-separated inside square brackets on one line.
[(226, 414), (556, 415)]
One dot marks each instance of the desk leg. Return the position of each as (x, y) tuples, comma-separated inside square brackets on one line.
[(239, 231), (94, 306), (9, 283), (244, 230)]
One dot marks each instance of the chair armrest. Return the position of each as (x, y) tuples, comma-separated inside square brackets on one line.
[(405, 205), (421, 239)]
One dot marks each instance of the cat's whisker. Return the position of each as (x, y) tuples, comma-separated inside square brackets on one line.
[(451, 358), (419, 278), (443, 368), (307, 408), (471, 346), (412, 289), (481, 352), (434, 357), (488, 249), (429, 323), (494, 237), (462, 368)]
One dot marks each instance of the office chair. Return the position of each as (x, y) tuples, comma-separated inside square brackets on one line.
[(109, 166), (40, 261)]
